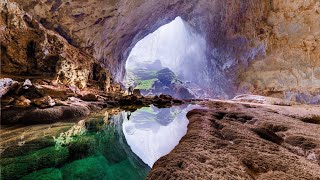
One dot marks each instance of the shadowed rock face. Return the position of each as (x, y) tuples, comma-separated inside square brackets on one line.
[(262, 46)]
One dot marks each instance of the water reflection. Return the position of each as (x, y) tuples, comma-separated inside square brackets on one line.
[(152, 132), (112, 144)]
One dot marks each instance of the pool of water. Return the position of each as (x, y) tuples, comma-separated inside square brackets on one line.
[(112, 144)]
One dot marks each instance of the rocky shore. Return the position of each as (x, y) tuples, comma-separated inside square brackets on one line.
[(33, 102), (246, 140)]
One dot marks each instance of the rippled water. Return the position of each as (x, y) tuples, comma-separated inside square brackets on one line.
[(108, 145)]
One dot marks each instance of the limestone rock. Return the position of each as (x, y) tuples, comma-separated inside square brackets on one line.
[(6, 100), (254, 46), (30, 92), (6, 84), (27, 83), (28, 48), (44, 102), (136, 92), (220, 135), (89, 97), (22, 102)]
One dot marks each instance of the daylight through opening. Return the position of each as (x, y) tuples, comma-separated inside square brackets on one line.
[(170, 61)]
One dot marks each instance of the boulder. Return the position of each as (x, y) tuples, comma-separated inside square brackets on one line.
[(43, 116), (6, 101), (44, 102), (136, 92), (27, 84), (60, 102), (89, 97), (54, 92), (29, 92), (7, 84), (22, 102), (164, 96)]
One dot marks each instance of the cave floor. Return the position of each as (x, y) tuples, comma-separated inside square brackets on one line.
[(234, 139), (245, 140)]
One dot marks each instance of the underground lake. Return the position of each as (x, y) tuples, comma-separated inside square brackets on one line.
[(111, 144)]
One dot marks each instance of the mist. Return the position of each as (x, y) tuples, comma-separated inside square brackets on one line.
[(177, 47)]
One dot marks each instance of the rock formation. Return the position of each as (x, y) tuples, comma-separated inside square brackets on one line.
[(245, 141), (62, 60), (263, 46), (28, 48)]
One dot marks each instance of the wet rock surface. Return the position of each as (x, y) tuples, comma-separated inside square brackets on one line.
[(36, 103), (244, 141)]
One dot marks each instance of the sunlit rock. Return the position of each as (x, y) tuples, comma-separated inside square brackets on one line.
[(44, 102), (6, 84)]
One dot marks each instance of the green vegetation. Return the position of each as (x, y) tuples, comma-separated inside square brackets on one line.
[(146, 84)]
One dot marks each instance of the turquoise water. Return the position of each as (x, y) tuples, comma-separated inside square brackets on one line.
[(108, 145)]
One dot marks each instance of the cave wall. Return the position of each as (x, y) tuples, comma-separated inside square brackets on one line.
[(248, 40), (291, 67), (28, 49)]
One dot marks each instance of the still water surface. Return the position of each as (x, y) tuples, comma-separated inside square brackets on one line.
[(108, 145)]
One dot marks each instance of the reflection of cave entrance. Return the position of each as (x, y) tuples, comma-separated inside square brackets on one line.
[(171, 61)]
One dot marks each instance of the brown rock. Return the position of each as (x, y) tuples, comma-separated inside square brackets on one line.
[(52, 91), (136, 92), (261, 47), (44, 102), (29, 48), (43, 116), (164, 96), (223, 147), (89, 97), (6, 100), (22, 102)]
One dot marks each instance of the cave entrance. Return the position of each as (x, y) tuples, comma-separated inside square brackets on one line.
[(171, 60)]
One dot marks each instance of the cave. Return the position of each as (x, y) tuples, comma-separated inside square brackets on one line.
[(169, 89), (170, 60)]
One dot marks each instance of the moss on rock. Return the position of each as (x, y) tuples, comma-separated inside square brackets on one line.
[(14, 168), (89, 168), (44, 174)]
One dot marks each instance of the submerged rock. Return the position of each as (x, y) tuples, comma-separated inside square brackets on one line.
[(17, 167), (48, 173), (89, 168)]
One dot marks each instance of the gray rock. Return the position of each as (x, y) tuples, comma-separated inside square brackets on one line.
[(27, 84), (6, 84)]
